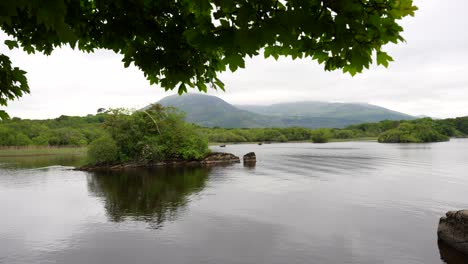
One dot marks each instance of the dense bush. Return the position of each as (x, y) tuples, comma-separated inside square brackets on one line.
[(155, 134), (257, 134), (61, 131), (102, 150), (343, 134), (412, 133), (320, 135)]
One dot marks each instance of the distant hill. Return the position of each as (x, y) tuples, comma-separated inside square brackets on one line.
[(211, 111), (353, 112)]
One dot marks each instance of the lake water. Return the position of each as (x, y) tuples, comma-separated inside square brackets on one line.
[(351, 202)]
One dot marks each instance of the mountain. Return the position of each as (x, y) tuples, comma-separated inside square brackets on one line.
[(353, 112), (211, 111)]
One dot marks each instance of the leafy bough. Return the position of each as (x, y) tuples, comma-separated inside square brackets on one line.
[(185, 44)]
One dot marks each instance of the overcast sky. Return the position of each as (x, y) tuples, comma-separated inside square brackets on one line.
[(428, 77)]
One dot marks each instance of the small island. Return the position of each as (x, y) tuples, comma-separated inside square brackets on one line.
[(153, 137), (417, 132)]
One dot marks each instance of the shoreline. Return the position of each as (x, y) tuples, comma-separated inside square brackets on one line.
[(29, 151), (333, 140), (211, 159)]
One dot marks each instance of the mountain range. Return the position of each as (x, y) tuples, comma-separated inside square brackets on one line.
[(211, 111)]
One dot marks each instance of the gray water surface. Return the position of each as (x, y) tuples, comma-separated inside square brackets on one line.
[(352, 202)]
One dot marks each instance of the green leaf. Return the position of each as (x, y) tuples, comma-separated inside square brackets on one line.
[(219, 84), (267, 52), (202, 87), (235, 61), (11, 44), (4, 115), (350, 69), (383, 58), (182, 89)]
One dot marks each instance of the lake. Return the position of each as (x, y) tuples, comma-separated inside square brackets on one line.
[(349, 202)]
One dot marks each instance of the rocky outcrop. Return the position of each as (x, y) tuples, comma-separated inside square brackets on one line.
[(219, 158), (453, 230), (211, 159)]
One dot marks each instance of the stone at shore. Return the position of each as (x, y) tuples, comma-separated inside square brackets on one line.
[(250, 158), (211, 159), (219, 158), (453, 230)]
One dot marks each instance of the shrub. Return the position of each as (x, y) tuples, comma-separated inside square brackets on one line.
[(280, 138), (22, 140), (102, 150), (320, 135), (344, 134), (412, 133), (158, 133)]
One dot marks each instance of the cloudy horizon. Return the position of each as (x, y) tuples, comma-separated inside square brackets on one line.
[(428, 76)]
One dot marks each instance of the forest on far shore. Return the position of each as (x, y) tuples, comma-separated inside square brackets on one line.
[(81, 131)]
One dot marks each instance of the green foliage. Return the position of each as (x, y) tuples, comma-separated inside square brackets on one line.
[(67, 137), (155, 134), (62, 131), (185, 44), (373, 129), (280, 138), (412, 133), (426, 130), (103, 150), (159, 133), (343, 134), (13, 83), (256, 134), (419, 130), (320, 135), (41, 140), (180, 140), (22, 140)]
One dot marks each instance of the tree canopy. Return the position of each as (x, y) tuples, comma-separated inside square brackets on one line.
[(185, 43), (144, 136)]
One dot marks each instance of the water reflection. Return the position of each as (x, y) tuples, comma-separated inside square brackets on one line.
[(153, 196), (351, 202)]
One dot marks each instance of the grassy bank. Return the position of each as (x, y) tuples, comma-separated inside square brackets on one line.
[(38, 151)]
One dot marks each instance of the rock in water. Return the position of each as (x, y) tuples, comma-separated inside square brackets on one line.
[(453, 230), (250, 158), (219, 158)]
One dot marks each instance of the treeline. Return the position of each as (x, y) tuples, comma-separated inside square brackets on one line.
[(415, 131), (61, 131), (81, 131), (387, 131)]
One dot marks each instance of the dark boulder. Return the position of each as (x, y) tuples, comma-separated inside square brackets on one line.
[(453, 230), (250, 158)]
